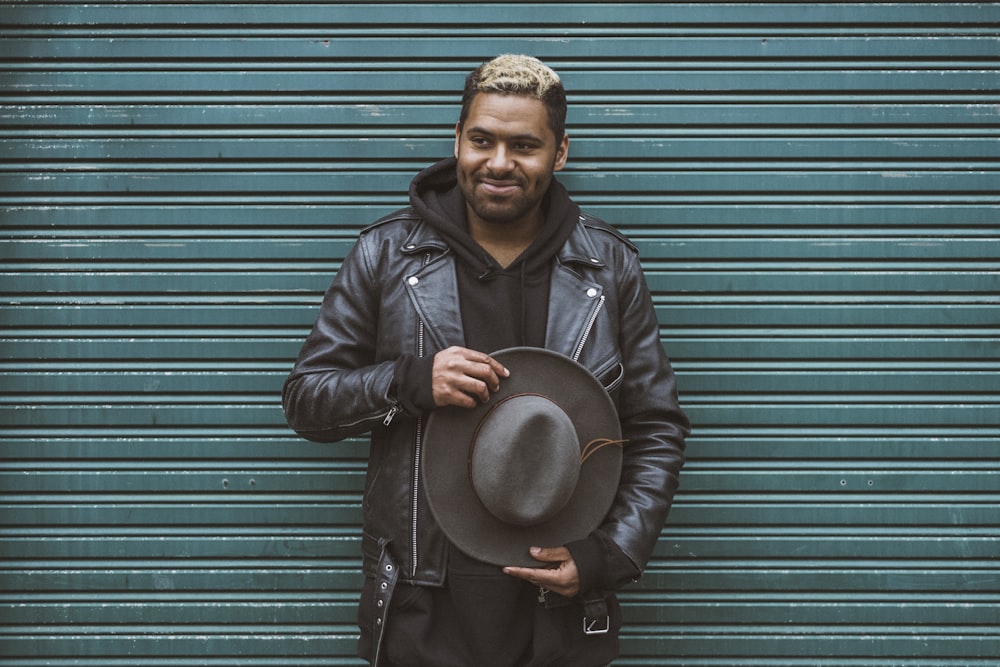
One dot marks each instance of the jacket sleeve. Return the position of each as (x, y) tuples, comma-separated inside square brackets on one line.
[(337, 389), (653, 425)]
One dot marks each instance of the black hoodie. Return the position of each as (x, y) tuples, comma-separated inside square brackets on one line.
[(501, 306)]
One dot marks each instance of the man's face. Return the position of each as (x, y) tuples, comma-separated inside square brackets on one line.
[(506, 156)]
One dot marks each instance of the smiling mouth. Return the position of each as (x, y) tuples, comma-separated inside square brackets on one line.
[(498, 187)]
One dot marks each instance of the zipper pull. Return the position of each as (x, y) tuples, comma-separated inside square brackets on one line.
[(393, 411)]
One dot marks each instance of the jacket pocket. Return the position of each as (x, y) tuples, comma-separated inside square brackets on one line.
[(613, 378)]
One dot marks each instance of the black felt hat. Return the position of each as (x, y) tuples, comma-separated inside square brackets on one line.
[(538, 465)]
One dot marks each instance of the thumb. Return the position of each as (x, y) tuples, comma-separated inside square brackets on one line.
[(550, 555)]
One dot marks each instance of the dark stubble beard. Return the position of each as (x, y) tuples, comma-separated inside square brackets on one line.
[(511, 210)]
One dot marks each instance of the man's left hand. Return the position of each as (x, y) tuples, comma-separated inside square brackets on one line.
[(561, 577)]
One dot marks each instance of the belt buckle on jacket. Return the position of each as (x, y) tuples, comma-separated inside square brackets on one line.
[(596, 619)]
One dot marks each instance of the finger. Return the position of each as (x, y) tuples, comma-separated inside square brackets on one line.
[(526, 573), (487, 369), (451, 381), (551, 554), (482, 368), (556, 580), (464, 377), (498, 369), (478, 389)]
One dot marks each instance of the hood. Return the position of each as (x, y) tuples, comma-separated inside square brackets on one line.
[(436, 197)]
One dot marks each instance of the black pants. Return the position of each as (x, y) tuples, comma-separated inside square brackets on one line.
[(484, 618)]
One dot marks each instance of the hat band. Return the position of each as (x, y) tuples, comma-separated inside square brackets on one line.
[(596, 445)]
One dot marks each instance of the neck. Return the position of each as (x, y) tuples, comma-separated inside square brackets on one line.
[(505, 242)]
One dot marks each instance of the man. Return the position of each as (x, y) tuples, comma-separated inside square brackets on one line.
[(492, 253)]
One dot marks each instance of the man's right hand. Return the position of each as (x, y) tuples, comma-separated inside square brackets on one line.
[(464, 377)]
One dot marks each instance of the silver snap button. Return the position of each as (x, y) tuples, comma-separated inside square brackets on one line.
[(592, 292), (413, 280)]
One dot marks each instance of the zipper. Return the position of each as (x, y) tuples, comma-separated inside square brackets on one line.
[(393, 411), (588, 329), (417, 452)]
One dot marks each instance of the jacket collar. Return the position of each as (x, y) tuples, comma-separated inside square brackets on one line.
[(423, 237), (578, 249), (573, 299)]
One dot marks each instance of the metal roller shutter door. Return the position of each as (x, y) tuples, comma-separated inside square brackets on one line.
[(814, 191)]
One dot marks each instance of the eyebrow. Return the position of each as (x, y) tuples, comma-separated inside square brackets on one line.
[(527, 136)]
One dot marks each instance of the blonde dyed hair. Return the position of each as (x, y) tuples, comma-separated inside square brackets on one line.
[(513, 74), (521, 75)]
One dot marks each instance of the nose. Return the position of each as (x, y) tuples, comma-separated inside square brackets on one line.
[(499, 161)]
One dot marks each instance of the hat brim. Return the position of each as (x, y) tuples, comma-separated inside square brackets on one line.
[(444, 468)]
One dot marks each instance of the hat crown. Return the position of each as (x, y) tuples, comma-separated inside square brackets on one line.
[(524, 461)]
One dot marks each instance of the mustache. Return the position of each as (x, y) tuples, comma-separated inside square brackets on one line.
[(487, 175)]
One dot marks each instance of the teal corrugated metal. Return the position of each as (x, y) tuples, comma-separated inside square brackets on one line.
[(814, 188)]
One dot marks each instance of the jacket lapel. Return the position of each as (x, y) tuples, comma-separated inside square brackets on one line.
[(433, 289), (573, 300)]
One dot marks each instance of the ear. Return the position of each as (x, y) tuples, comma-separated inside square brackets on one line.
[(562, 153), (458, 137)]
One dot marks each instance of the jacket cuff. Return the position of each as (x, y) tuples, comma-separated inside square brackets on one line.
[(411, 384), (601, 564)]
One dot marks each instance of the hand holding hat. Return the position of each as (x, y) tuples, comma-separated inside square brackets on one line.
[(464, 377), (559, 575), (538, 464)]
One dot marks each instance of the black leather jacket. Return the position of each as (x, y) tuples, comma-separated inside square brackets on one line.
[(396, 294)]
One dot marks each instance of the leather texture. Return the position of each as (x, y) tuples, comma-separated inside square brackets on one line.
[(396, 294)]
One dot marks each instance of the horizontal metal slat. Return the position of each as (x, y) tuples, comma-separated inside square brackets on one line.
[(693, 579), (685, 112), (258, 186), (267, 510), (862, 445), (107, 479), (344, 544), (845, 442), (190, 642), (968, 410), (116, 86), (324, 222), (51, 314), (227, 483), (346, 48), (764, 345), (587, 152), (858, 383), (137, 13), (855, 281), (266, 612), (856, 510), (800, 644)]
